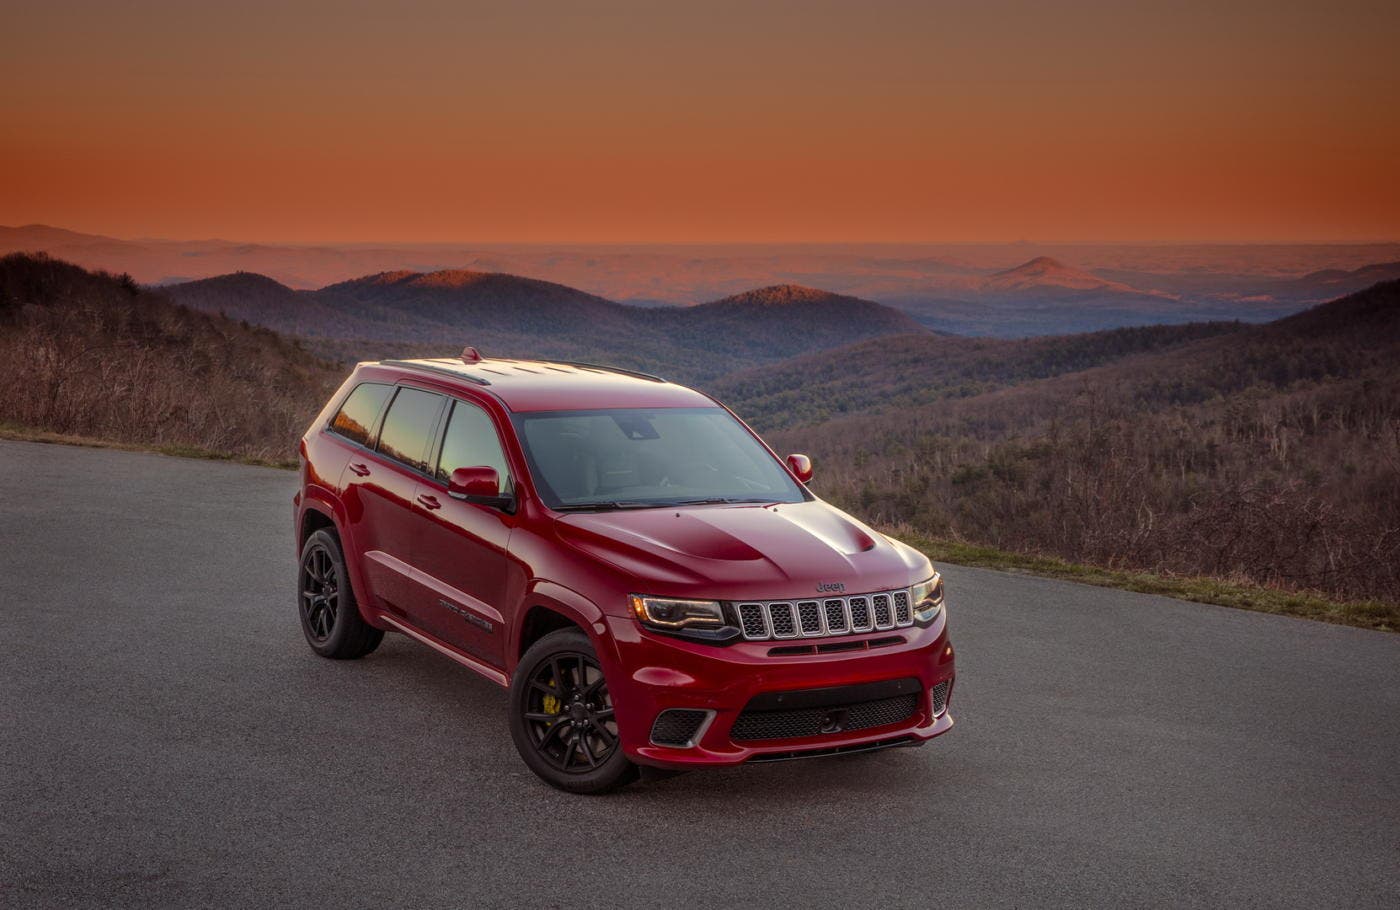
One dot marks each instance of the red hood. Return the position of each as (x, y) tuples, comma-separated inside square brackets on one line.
[(738, 552)]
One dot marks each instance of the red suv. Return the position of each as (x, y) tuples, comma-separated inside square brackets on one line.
[(653, 585)]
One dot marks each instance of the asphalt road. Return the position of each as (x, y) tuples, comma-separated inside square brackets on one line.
[(167, 739)]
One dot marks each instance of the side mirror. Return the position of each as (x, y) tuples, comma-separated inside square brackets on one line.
[(801, 467), (481, 485)]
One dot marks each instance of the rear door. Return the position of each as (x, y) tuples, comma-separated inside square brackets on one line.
[(381, 483), (464, 558)]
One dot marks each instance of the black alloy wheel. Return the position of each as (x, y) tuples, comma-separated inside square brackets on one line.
[(562, 716), (569, 713), (320, 592)]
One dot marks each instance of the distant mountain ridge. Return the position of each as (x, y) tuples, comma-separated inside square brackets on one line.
[(510, 314), (1005, 290), (1044, 272)]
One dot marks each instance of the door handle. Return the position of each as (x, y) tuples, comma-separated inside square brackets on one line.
[(360, 470), (429, 502)]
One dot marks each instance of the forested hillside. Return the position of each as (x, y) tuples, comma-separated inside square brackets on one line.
[(1269, 453), (914, 370), (90, 354)]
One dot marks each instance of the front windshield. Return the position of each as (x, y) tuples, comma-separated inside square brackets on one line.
[(637, 457)]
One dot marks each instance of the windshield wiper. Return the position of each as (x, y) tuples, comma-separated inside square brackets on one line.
[(716, 500), (607, 506)]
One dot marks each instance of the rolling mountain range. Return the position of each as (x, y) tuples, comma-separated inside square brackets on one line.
[(1005, 290), (406, 312)]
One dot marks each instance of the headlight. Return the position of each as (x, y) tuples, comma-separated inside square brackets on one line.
[(671, 614), (927, 598)]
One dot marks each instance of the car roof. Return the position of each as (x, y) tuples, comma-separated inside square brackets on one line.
[(548, 385)]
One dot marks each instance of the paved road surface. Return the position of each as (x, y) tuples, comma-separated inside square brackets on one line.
[(167, 739)]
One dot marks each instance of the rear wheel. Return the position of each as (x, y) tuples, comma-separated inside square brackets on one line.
[(562, 717), (330, 616)]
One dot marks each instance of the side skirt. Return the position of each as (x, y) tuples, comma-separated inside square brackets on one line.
[(471, 663)]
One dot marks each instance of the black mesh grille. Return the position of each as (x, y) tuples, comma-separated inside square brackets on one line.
[(784, 626), (860, 614), (901, 608), (835, 615), (810, 614), (883, 618), (939, 696), (676, 727), (751, 615), (752, 725)]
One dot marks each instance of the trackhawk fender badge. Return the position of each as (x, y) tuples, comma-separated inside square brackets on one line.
[(831, 587), (484, 624)]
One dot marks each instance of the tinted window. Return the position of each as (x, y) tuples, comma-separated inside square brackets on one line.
[(470, 441), (408, 425), (649, 457), (355, 419)]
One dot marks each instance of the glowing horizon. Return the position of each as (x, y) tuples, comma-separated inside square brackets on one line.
[(801, 123)]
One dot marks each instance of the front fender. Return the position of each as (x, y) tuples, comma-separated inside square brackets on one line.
[(578, 609)]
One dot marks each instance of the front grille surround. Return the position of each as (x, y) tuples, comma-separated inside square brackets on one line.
[(855, 614)]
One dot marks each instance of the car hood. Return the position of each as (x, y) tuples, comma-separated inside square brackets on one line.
[(737, 552)]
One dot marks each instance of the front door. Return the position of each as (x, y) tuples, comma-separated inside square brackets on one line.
[(463, 553)]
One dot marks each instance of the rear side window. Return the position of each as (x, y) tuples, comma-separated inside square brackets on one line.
[(355, 419), (471, 441), (407, 426)]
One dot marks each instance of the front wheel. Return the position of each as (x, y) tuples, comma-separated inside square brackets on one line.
[(562, 716)]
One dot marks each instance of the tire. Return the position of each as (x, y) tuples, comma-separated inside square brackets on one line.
[(567, 733), (330, 616)]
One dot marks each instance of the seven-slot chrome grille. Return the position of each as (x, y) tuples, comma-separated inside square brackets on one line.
[(786, 619)]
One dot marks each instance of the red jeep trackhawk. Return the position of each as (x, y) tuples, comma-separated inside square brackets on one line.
[(651, 582)]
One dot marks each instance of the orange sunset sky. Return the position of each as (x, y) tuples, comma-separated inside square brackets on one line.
[(600, 122)]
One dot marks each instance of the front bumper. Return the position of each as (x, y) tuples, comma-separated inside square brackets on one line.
[(657, 672)]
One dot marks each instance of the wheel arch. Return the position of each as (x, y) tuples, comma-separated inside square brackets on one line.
[(548, 607), (319, 514)]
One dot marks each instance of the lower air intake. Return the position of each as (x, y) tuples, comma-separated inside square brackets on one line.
[(795, 724), (677, 727)]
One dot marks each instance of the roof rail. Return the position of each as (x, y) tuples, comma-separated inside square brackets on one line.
[(455, 374), (607, 369)]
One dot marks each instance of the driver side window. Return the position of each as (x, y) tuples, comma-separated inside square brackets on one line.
[(471, 441)]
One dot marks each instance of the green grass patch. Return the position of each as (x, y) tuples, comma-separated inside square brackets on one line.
[(1366, 614)]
